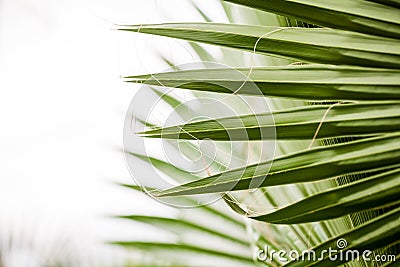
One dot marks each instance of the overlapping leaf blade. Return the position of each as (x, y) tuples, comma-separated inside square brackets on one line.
[(316, 82), (304, 166), (379, 232), (310, 45), (374, 17), (208, 208), (373, 192), (392, 3), (298, 123), (354, 15)]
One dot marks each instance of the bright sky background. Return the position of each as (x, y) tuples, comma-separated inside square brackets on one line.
[(62, 108)]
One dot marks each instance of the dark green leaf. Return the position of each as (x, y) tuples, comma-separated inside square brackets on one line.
[(304, 166), (377, 233), (353, 15), (305, 82), (373, 192), (310, 45), (297, 123)]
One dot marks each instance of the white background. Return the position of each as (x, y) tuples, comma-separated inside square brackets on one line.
[(62, 107)]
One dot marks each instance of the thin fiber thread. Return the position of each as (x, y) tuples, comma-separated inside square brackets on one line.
[(240, 87), (232, 199)]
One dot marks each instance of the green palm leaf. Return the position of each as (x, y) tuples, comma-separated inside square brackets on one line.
[(180, 225), (183, 249), (359, 79), (304, 82), (376, 191), (392, 3), (305, 166), (354, 15), (379, 232), (297, 123), (311, 45)]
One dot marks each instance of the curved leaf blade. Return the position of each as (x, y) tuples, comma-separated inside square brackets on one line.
[(177, 225), (377, 233), (393, 3), (373, 192), (304, 166), (353, 15), (306, 44), (316, 82), (182, 248), (298, 123)]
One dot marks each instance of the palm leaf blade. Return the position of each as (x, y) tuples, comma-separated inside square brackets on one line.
[(297, 123), (310, 45), (181, 248), (304, 82), (304, 166), (369, 193), (377, 233), (354, 15)]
